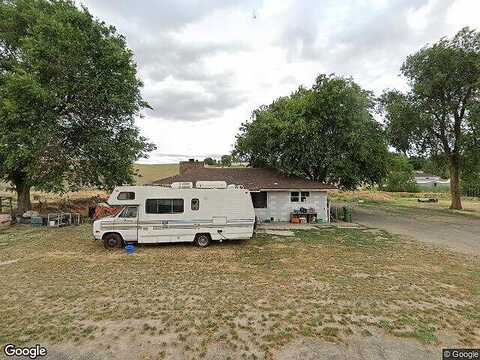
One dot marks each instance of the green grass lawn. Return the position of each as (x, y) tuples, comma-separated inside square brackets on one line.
[(407, 201), (61, 287)]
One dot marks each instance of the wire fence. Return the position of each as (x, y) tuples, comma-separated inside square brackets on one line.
[(471, 191)]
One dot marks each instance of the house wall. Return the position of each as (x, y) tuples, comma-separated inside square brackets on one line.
[(434, 185), (279, 206), (432, 182)]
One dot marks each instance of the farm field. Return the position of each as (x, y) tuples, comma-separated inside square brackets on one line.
[(151, 172), (356, 292), (147, 174)]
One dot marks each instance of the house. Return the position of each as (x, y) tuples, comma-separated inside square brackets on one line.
[(275, 196), (424, 180)]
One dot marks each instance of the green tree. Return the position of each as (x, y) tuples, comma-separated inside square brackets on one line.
[(68, 98), (326, 133), (209, 161), (470, 167), (226, 160), (401, 175), (434, 117), (437, 165)]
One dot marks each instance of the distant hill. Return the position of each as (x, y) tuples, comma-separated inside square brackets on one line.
[(152, 172), (149, 173)]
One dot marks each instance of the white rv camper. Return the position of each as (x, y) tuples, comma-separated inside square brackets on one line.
[(181, 213)]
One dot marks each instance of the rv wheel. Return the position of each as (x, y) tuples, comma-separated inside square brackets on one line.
[(202, 240), (111, 241)]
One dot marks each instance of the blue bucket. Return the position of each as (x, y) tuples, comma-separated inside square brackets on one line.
[(129, 248)]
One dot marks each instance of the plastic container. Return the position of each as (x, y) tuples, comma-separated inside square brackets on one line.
[(347, 214), (36, 221), (129, 248)]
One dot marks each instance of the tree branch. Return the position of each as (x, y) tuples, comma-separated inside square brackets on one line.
[(458, 120)]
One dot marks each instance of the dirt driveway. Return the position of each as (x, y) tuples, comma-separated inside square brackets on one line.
[(456, 232)]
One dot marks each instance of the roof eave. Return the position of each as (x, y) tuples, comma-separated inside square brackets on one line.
[(298, 189)]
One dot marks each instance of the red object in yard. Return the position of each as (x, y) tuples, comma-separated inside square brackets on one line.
[(102, 211)]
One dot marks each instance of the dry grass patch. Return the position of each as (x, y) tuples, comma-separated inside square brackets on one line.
[(247, 298), (408, 201)]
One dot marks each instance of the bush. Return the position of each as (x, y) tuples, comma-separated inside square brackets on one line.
[(470, 185), (401, 176)]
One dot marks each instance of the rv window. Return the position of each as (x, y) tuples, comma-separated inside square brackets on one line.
[(259, 199), (129, 212), (195, 203), (164, 206), (126, 195), (177, 205)]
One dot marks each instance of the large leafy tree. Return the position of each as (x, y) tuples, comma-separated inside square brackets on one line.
[(326, 133), (69, 94), (436, 116), (226, 160), (401, 176), (470, 166)]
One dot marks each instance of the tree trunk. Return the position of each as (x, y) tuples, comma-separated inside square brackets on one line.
[(23, 198), (454, 169)]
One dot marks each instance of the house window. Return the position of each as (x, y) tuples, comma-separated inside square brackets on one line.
[(299, 196), (294, 196), (126, 195), (259, 199), (195, 204), (164, 206), (304, 195)]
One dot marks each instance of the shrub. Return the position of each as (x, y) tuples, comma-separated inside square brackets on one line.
[(401, 176)]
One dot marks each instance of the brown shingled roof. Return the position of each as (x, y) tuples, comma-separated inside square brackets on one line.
[(251, 178)]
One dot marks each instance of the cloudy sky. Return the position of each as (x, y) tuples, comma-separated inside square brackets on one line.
[(206, 64)]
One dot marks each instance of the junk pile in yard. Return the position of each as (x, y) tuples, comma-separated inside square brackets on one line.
[(102, 210), (304, 216), (309, 216), (5, 219), (59, 213), (54, 219), (6, 210)]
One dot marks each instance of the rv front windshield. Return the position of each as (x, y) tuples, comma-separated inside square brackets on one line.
[(128, 212)]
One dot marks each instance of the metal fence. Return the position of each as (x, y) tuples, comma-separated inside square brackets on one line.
[(472, 191)]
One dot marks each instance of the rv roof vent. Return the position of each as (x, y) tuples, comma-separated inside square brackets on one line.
[(182, 185), (211, 184)]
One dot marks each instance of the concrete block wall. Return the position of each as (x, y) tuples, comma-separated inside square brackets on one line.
[(279, 206)]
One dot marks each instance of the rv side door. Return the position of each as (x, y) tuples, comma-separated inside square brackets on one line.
[(126, 223)]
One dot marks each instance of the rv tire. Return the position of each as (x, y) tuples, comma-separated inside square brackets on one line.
[(111, 241), (202, 240)]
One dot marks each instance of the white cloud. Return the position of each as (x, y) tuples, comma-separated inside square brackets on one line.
[(207, 64)]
